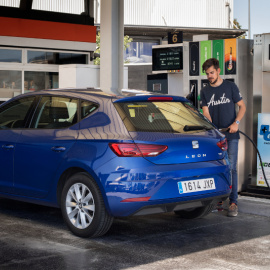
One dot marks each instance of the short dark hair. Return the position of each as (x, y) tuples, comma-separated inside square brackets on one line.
[(209, 63)]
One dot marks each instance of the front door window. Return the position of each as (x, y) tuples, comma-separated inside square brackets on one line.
[(14, 114)]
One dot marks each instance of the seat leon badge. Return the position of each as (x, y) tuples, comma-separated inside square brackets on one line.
[(195, 144)]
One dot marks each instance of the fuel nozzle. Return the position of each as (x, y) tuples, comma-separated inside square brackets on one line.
[(222, 130)]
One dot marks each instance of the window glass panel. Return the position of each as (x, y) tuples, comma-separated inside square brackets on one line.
[(56, 58), (87, 107), (40, 80), (64, 6), (11, 56), (10, 83), (72, 58), (140, 52), (40, 57), (56, 113), (13, 114)]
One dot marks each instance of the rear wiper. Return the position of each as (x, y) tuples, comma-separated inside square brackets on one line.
[(189, 128)]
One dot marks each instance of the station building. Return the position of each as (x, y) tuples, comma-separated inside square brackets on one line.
[(37, 36)]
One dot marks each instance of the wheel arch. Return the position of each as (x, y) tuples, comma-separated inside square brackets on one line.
[(73, 170)]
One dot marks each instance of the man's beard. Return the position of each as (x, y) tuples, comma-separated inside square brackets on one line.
[(214, 81)]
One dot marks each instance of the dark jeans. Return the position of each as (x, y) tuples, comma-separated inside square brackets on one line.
[(233, 155)]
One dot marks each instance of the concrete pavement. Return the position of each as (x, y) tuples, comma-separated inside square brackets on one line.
[(35, 237)]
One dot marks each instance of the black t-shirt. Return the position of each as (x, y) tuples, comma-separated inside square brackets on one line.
[(221, 101)]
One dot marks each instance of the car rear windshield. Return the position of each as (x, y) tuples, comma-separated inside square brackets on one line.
[(170, 117)]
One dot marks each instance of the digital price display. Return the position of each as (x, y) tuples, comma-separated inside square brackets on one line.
[(168, 58)]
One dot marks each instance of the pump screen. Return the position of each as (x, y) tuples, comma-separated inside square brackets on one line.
[(169, 58)]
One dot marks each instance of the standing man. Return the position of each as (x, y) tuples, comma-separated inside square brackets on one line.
[(218, 101)]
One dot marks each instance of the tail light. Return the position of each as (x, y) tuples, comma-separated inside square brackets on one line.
[(223, 145), (137, 150)]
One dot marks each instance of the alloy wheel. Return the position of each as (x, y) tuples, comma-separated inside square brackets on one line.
[(80, 205)]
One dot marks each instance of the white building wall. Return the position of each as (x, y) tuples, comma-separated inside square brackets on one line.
[(181, 13), (10, 3), (83, 76), (65, 6), (184, 13)]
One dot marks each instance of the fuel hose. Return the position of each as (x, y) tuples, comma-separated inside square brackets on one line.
[(261, 163)]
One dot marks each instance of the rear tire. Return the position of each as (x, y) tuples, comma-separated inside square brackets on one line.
[(83, 208), (195, 212)]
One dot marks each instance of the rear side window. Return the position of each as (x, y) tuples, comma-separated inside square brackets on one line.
[(170, 117), (87, 107)]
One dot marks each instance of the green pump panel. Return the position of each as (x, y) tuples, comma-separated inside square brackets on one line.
[(205, 52), (218, 53)]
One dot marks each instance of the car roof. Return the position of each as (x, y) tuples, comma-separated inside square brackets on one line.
[(128, 95), (85, 91), (80, 93)]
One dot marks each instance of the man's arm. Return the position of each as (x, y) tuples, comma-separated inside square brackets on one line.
[(242, 109), (206, 113)]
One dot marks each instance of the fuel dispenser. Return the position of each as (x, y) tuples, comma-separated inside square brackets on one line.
[(167, 70), (236, 64), (261, 71), (177, 70), (261, 110), (233, 55)]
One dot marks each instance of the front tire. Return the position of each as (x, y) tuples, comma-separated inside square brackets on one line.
[(195, 212), (83, 208)]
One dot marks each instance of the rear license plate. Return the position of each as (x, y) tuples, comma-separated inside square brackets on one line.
[(196, 185)]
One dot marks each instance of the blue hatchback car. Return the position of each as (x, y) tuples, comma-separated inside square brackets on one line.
[(99, 156)]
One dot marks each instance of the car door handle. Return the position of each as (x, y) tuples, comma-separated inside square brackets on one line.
[(8, 146), (59, 148)]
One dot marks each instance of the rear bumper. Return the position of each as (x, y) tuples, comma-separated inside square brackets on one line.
[(171, 207), (157, 185)]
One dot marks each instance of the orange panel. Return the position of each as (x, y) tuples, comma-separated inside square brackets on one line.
[(15, 27), (230, 56)]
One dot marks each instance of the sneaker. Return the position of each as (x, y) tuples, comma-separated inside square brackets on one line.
[(233, 210), (220, 206)]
